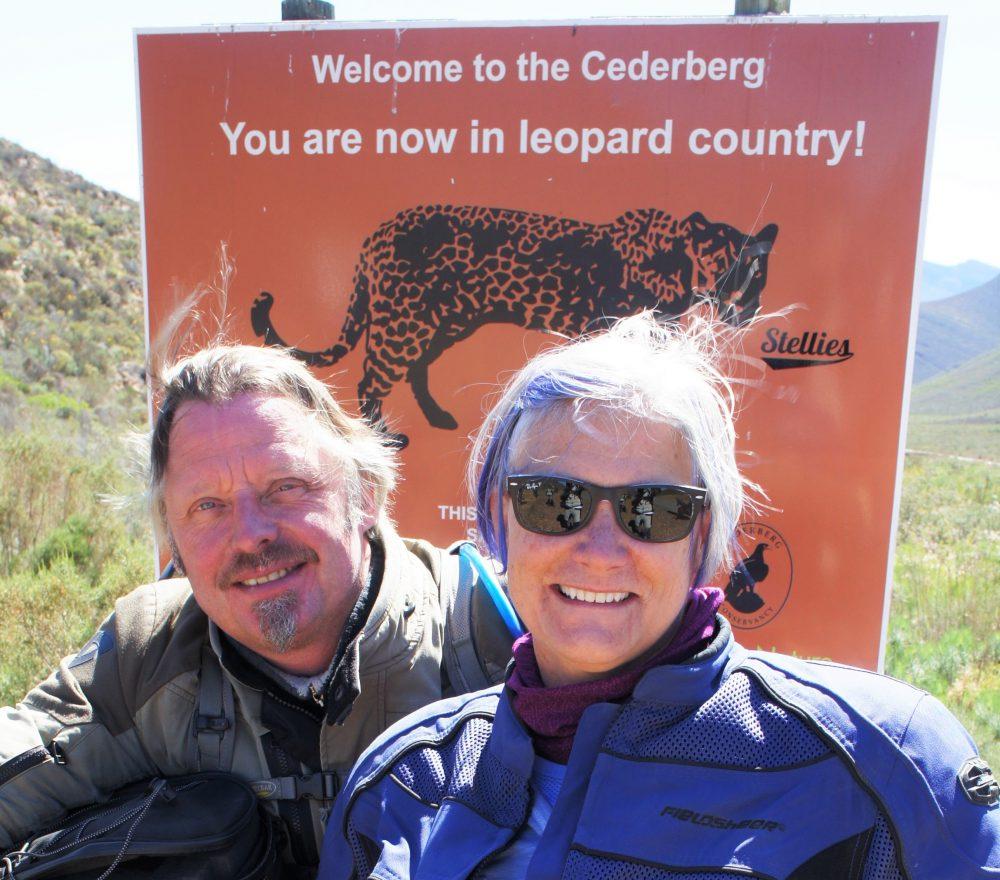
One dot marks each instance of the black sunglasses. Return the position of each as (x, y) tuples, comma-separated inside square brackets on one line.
[(560, 505)]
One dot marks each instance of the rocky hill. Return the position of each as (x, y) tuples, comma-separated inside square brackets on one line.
[(71, 313)]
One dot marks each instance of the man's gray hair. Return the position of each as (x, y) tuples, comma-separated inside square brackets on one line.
[(219, 373), (641, 367)]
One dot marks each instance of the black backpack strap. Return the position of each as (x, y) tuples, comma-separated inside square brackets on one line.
[(215, 719), (322, 786), (477, 643)]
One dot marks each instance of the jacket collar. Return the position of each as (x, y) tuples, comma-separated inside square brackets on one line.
[(695, 680), (689, 683), (389, 631)]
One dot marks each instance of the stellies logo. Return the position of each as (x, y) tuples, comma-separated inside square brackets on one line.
[(811, 348)]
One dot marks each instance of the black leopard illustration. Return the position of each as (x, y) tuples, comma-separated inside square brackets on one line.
[(433, 275)]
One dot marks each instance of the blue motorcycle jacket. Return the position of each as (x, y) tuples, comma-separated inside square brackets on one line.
[(734, 764)]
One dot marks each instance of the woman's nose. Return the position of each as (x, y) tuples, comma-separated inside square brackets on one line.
[(603, 542)]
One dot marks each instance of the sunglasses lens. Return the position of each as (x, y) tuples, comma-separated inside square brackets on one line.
[(549, 506), (652, 513)]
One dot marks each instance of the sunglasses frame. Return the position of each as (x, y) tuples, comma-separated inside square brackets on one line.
[(697, 495)]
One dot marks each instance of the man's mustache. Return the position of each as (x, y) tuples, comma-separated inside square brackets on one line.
[(281, 553)]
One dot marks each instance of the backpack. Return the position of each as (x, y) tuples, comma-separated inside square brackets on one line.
[(478, 623), (207, 826)]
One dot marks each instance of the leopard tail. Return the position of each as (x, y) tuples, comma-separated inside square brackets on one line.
[(355, 324)]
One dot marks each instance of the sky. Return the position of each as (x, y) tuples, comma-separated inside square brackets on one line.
[(67, 84)]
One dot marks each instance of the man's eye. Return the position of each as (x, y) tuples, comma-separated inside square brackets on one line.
[(288, 487), (206, 505)]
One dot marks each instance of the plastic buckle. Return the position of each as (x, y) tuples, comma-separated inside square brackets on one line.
[(317, 786), (213, 723)]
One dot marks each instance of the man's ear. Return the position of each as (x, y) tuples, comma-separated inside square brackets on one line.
[(175, 555), (367, 514)]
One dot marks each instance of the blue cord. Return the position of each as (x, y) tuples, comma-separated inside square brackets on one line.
[(493, 589)]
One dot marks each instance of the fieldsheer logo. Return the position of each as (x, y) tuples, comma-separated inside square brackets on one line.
[(813, 348), (720, 823), (759, 585)]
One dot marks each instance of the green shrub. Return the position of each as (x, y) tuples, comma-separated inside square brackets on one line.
[(10, 383), (46, 477), (52, 612), (72, 540), (60, 404), (9, 252)]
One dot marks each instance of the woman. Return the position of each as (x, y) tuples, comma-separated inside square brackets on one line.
[(634, 738)]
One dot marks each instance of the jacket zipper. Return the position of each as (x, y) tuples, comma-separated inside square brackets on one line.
[(24, 762), (493, 856), (840, 751)]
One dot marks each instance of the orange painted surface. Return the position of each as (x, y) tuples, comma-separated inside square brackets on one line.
[(824, 439)]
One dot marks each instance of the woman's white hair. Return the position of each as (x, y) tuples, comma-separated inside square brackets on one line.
[(644, 368)]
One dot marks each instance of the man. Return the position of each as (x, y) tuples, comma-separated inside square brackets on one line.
[(304, 628)]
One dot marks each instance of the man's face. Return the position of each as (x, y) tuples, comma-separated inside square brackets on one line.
[(257, 510)]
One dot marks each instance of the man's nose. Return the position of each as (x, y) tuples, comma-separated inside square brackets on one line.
[(253, 524)]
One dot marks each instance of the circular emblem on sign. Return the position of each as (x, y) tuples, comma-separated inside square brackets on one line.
[(761, 581)]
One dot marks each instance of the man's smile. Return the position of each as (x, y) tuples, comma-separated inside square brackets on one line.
[(260, 580)]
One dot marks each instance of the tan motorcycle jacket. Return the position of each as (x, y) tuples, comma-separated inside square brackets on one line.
[(158, 691)]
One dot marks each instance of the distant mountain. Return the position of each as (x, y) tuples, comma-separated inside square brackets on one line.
[(953, 331), (940, 282)]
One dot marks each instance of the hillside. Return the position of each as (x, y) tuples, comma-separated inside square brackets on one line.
[(958, 412), (956, 330), (970, 391), (71, 313), (71, 353)]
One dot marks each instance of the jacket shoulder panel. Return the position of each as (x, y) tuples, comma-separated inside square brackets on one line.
[(429, 726), (461, 768), (160, 631), (434, 755), (739, 726), (908, 751), (152, 637)]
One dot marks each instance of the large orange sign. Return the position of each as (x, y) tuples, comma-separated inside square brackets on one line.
[(414, 208)]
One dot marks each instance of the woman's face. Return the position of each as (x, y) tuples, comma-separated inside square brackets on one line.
[(552, 577)]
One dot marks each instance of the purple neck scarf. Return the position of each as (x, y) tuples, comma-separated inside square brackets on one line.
[(552, 714)]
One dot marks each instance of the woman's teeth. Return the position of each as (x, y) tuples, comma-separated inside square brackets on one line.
[(256, 582), (587, 596)]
